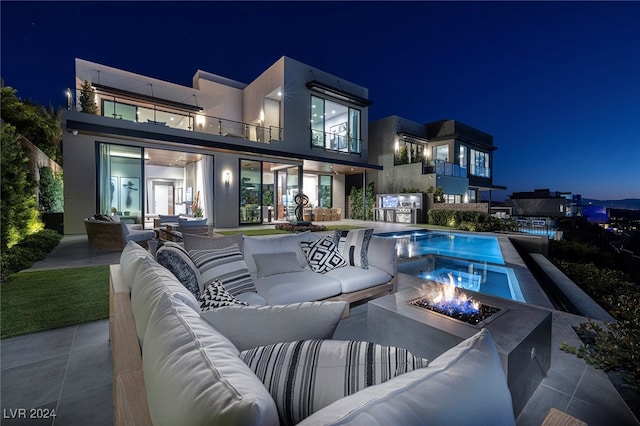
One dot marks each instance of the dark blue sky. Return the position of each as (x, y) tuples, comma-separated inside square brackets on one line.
[(556, 83)]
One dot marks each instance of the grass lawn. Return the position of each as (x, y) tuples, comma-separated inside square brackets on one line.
[(43, 300), (254, 232)]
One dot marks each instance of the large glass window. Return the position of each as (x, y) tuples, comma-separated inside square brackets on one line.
[(440, 152), (120, 174), (479, 164), (119, 110), (335, 126), (250, 191), (325, 195), (354, 130), (462, 156), (317, 122)]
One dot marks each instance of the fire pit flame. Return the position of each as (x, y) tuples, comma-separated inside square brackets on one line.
[(449, 301)]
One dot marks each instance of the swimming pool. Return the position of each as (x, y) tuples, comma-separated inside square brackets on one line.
[(474, 261), (480, 248)]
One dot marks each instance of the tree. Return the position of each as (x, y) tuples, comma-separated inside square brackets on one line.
[(51, 191), (34, 122), (18, 212), (87, 99), (355, 203)]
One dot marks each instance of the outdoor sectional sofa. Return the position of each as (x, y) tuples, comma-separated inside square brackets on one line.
[(278, 266), (174, 364), (109, 233)]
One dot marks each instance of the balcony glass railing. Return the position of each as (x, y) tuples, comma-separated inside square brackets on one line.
[(126, 109), (334, 142), (441, 167)]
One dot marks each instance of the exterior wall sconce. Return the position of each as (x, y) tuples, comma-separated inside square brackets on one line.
[(227, 178)]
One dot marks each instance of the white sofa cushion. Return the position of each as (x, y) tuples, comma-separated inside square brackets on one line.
[(276, 263), (200, 242), (251, 298), (354, 245), (216, 296), (150, 282), (465, 385), (193, 375), (278, 244), (176, 259), (382, 253), (308, 375), (322, 255), (226, 265), (130, 260), (251, 326), (297, 287), (353, 278)]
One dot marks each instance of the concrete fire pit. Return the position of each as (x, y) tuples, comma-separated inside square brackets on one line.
[(521, 332)]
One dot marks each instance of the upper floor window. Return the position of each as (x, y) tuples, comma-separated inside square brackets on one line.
[(334, 126), (440, 152), (479, 164)]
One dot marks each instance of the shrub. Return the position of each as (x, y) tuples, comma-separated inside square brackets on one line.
[(576, 251), (598, 282), (470, 221), (616, 346), (300, 228), (51, 191), (29, 250), (18, 202)]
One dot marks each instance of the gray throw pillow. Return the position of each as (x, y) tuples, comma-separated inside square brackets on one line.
[(276, 263)]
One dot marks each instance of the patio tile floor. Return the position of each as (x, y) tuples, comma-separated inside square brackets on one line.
[(69, 369)]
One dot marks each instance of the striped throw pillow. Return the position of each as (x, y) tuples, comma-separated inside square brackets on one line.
[(354, 245), (226, 265), (307, 375)]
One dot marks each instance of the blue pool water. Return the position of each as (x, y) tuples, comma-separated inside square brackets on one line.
[(473, 261), (472, 247)]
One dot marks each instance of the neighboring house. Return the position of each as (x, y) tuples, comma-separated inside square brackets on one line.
[(156, 147), (444, 154), (544, 203)]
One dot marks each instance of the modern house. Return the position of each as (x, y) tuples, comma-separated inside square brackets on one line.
[(239, 151), (544, 203), (445, 154)]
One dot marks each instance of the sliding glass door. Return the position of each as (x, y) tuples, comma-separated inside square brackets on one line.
[(120, 174)]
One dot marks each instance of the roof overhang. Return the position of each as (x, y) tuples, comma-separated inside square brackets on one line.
[(212, 142), (146, 98), (338, 93), (412, 138)]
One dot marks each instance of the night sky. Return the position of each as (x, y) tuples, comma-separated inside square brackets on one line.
[(556, 83)]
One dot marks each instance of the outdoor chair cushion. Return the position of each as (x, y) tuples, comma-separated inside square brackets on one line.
[(469, 376), (307, 375), (193, 375), (251, 326)]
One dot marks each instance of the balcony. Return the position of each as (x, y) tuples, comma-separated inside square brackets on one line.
[(443, 168), (176, 115)]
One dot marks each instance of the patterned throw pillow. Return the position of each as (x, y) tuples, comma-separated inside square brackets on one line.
[(354, 245), (322, 255), (306, 375), (226, 265), (216, 296), (176, 259)]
